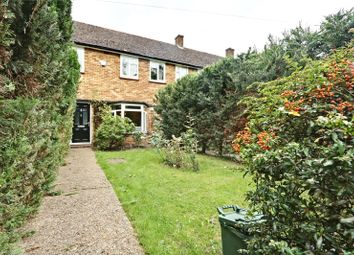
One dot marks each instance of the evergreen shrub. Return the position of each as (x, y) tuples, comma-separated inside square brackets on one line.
[(39, 72), (298, 147)]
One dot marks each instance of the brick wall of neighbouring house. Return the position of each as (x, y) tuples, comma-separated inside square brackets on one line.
[(104, 83)]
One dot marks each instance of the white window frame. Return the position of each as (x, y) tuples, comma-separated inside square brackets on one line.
[(125, 108), (154, 63), (131, 60), (81, 58), (178, 68)]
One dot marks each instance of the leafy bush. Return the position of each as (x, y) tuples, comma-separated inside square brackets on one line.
[(38, 78), (178, 151), (138, 138), (211, 95), (298, 146), (112, 131)]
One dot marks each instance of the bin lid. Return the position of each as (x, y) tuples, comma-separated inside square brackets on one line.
[(240, 216)]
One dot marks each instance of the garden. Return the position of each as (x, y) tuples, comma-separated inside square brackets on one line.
[(296, 146), (286, 113), (173, 210)]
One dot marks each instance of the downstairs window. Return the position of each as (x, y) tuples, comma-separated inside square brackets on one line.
[(135, 112)]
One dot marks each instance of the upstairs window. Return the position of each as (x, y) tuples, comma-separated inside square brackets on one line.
[(157, 71), (129, 67), (181, 72), (81, 58)]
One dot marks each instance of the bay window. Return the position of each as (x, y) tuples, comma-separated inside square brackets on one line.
[(135, 112)]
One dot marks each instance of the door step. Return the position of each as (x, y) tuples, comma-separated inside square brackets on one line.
[(73, 145)]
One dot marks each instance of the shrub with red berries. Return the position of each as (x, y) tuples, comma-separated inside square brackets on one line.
[(298, 146)]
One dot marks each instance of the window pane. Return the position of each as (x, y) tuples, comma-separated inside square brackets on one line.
[(135, 117), (181, 72), (115, 106), (132, 107), (77, 117), (153, 73), (85, 119), (81, 58), (161, 72), (184, 72), (129, 67), (133, 70), (125, 66), (116, 113)]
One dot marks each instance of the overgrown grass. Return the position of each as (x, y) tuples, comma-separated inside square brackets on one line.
[(173, 210)]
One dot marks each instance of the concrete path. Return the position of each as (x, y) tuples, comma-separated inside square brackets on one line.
[(86, 218)]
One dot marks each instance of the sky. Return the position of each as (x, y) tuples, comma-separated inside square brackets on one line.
[(208, 26)]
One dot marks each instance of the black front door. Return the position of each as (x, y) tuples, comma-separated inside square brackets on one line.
[(81, 128)]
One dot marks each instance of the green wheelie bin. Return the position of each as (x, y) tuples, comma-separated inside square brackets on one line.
[(232, 222)]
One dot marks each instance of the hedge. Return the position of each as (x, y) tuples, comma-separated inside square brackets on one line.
[(38, 78)]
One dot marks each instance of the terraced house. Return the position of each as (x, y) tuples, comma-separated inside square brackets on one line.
[(126, 71)]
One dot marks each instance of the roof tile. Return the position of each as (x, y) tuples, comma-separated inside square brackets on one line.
[(94, 36)]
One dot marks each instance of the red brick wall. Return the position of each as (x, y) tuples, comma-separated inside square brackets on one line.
[(103, 83)]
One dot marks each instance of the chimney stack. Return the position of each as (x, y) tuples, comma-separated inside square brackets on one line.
[(230, 52), (179, 41)]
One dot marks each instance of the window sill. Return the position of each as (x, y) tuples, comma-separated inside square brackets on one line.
[(160, 82), (129, 78)]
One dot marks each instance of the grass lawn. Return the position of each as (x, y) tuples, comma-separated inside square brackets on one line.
[(173, 210)]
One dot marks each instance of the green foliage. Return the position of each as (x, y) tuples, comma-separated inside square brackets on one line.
[(211, 96), (302, 43), (298, 146), (172, 100), (38, 78), (179, 152), (138, 138), (6, 37), (97, 120), (111, 133), (335, 30)]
